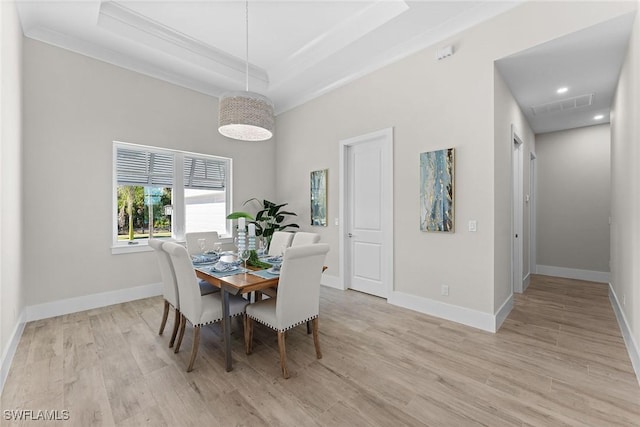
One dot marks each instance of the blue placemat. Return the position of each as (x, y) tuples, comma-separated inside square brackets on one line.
[(264, 274), (210, 272)]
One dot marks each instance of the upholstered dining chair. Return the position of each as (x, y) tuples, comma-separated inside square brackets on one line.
[(193, 246), (169, 288), (199, 310), (302, 238), (279, 240), (297, 301)]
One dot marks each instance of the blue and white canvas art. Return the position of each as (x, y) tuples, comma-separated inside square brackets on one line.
[(437, 190)]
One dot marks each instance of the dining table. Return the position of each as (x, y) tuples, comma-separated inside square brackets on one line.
[(234, 282)]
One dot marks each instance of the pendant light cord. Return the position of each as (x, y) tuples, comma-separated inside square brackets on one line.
[(247, 45)]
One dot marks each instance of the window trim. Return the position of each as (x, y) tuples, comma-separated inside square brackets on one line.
[(179, 209)]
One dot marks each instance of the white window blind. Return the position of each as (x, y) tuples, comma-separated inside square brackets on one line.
[(205, 174), (143, 167)]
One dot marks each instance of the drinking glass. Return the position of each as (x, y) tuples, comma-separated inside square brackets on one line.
[(203, 245), (262, 246), (244, 256), (217, 248)]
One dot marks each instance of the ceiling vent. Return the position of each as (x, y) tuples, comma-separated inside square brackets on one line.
[(563, 105)]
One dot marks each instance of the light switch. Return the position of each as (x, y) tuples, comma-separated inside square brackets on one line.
[(336, 221), (473, 225)]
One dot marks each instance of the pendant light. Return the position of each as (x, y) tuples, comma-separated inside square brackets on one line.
[(246, 116)]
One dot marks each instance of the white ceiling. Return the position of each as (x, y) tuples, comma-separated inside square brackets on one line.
[(301, 49), (587, 62), (298, 50)]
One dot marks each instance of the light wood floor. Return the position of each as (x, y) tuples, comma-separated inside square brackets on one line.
[(559, 359)]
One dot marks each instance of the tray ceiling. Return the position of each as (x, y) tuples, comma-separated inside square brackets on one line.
[(297, 49)]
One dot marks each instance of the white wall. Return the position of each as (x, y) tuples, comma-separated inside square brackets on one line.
[(432, 105), (573, 198), (625, 197), (11, 289), (75, 107), (508, 114)]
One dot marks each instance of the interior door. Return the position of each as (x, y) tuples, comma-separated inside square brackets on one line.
[(365, 219)]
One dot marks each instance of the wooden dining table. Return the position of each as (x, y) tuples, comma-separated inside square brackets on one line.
[(234, 284)]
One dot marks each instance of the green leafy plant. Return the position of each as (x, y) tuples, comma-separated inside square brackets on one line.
[(269, 218), (254, 260)]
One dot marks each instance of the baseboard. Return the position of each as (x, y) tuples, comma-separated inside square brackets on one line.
[(573, 273), (88, 302), (504, 310), (630, 342), (466, 316), (526, 281), (10, 351), (331, 282)]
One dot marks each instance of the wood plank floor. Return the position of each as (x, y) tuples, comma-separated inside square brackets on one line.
[(558, 360)]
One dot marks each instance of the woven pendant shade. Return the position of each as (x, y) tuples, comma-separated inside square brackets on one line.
[(246, 116)]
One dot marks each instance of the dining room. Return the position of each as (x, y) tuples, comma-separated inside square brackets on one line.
[(449, 343)]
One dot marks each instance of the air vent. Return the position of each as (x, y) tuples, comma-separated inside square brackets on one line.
[(563, 105)]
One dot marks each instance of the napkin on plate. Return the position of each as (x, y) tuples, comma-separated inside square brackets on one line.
[(201, 259), (221, 266)]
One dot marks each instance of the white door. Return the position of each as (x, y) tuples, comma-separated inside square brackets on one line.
[(367, 216)]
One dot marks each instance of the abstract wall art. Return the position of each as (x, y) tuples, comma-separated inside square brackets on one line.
[(437, 170), (319, 197)]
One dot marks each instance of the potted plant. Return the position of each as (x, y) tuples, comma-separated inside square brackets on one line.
[(269, 218)]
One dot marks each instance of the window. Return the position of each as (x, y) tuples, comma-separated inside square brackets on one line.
[(167, 193)]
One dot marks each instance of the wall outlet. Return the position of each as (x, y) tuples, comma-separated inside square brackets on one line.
[(337, 222), (444, 290), (473, 225)]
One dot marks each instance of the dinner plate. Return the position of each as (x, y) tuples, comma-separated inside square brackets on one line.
[(229, 270), (272, 271), (224, 267), (204, 262)]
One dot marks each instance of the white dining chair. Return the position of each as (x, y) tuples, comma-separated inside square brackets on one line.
[(297, 301), (199, 310), (193, 245), (302, 238), (279, 240), (169, 288)]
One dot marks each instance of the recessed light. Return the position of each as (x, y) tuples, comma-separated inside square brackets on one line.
[(562, 90), (598, 117)]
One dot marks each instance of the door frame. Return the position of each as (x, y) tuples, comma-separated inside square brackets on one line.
[(532, 213), (517, 211), (386, 137)]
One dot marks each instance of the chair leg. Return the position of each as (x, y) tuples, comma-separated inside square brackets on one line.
[(176, 325), (283, 355), (308, 327), (165, 314), (183, 325), (194, 349), (316, 339), (248, 334)]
